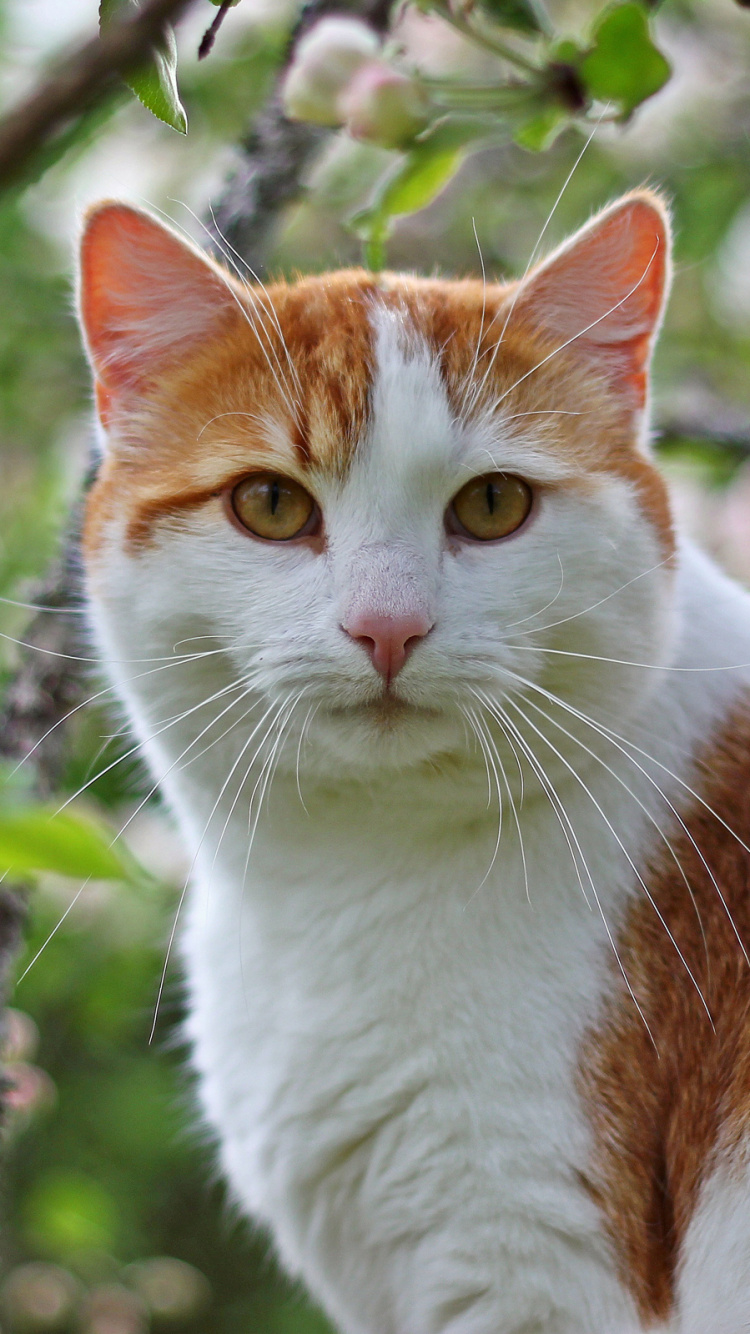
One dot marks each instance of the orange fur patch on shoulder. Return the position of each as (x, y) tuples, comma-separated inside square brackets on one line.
[(665, 1092)]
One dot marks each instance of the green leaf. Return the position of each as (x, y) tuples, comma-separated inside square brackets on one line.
[(34, 838), (623, 64), (522, 15), (566, 52), (417, 179), (155, 84), (539, 131), (456, 130)]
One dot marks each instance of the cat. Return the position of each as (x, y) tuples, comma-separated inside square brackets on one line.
[(456, 730)]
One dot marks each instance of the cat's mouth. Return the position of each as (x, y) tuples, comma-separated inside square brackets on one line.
[(385, 710)]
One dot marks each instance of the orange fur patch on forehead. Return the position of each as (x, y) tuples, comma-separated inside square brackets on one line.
[(285, 384), (667, 1090), (493, 364)]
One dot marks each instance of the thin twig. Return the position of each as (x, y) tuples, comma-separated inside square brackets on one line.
[(209, 36), (79, 82)]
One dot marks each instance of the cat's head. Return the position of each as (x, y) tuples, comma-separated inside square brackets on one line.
[(382, 501)]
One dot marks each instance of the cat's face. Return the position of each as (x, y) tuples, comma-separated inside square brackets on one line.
[(387, 503)]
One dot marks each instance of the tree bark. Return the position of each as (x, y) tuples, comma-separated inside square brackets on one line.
[(78, 82)]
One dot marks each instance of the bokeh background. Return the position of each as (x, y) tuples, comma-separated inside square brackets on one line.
[(113, 1220)]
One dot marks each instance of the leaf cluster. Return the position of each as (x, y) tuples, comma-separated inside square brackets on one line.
[(555, 82)]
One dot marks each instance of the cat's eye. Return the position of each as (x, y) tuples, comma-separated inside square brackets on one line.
[(490, 507), (274, 507)]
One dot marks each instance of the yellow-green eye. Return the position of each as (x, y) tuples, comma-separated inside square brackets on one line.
[(273, 507), (490, 507)]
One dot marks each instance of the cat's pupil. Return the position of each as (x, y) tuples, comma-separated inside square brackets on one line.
[(274, 497), (490, 498)]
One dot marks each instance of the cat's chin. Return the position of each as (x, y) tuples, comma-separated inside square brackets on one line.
[(387, 711), (384, 732)]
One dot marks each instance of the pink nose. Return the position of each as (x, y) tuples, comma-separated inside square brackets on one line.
[(388, 639)]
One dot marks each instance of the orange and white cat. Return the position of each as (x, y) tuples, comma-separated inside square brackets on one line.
[(457, 733)]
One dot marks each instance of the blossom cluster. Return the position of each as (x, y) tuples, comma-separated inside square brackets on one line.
[(340, 76)]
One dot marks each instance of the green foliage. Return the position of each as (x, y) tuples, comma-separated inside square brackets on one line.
[(624, 66), (541, 129), (39, 839), (67, 1213), (417, 178), (519, 14), (562, 80), (155, 85)]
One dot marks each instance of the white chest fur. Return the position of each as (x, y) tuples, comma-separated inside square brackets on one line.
[(388, 1051)]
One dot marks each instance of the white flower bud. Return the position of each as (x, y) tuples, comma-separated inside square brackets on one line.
[(383, 106), (324, 62)]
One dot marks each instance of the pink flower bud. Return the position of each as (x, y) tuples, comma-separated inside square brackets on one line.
[(113, 1309), (323, 64), (383, 106), (39, 1296), (171, 1289), (20, 1037), (29, 1089)]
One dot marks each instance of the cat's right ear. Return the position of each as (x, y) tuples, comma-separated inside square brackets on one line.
[(145, 297)]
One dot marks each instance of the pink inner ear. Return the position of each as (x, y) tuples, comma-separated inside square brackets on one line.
[(145, 295), (604, 291)]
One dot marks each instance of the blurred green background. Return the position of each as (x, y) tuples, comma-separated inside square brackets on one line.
[(113, 1220)]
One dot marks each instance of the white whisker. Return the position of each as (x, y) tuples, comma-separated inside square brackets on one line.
[(626, 662), (55, 929), (522, 281), (615, 738), (509, 730), (650, 817), (594, 605), (247, 313), (484, 742), (532, 758), (581, 332), (511, 802), (311, 712), (546, 606), (186, 885), (138, 746), (575, 774)]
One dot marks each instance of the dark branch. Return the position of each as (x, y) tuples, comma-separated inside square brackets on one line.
[(79, 82)]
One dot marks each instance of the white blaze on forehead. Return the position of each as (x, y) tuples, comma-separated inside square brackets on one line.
[(413, 435), (386, 527)]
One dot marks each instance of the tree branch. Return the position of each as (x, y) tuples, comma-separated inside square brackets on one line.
[(277, 151), (80, 81)]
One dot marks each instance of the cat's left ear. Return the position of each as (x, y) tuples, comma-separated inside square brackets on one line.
[(145, 298), (603, 292)]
